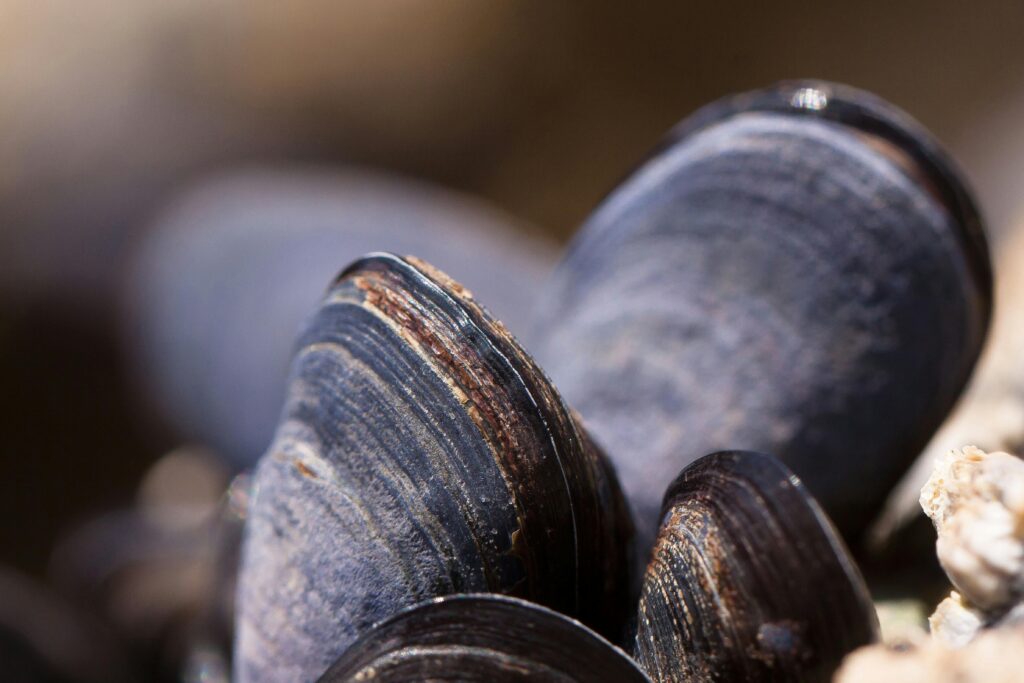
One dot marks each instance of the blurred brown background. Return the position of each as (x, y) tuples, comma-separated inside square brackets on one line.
[(108, 108)]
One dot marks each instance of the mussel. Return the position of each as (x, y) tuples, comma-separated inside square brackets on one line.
[(485, 638), (748, 580), (421, 453), (797, 270), (229, 271)]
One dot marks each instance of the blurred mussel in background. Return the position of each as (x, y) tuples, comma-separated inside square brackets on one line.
[(180, 182), (227, 275)]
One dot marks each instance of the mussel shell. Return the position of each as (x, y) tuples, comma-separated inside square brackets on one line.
[(798, 271), (483, 638), (421, 453), (748, 580)]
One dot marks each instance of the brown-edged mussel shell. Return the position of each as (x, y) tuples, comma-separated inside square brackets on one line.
[(797, 270), (420, 453), (485, 639), (748, 580)]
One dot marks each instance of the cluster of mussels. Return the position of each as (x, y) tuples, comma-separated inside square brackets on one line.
[(796, 271)]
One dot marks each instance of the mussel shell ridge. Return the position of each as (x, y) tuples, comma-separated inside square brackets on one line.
[(748, 581), (421, 453), (483, 638)]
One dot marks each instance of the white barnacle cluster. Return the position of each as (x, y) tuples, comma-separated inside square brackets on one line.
[(992, 657), (955, 622), (976, 501)]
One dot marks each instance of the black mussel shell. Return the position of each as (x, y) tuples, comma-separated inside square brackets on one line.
[(799, 270), (748, 580), (485, 638), (421, 453)]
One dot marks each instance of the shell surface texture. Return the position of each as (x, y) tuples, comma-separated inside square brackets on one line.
[(748, 580), (485, 639), (797, 270), (421, 453)]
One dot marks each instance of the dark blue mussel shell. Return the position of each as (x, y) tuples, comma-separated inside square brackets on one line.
[(421, 453), (797, 270)]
